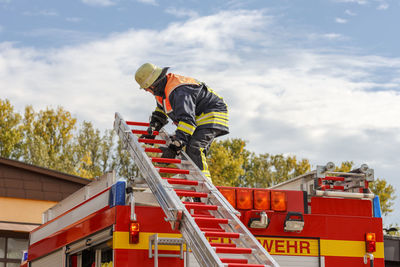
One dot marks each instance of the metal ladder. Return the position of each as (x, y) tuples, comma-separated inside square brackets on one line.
[(324, 181), (213, 217)]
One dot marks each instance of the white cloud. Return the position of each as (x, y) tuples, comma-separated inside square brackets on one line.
[(283, 98), (333, 36), (73, 19), (340, 20), (350, 13), (46, 13), (99, 2), (360, 2), (181, 12), (149, 2), (383, 6)]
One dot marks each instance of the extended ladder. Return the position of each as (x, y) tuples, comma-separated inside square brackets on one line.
[(214, 217), (324, 181)]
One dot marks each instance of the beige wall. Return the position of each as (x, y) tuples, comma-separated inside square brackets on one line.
[(23, 210)]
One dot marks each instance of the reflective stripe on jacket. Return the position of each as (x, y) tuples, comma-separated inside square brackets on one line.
[(191, 105)]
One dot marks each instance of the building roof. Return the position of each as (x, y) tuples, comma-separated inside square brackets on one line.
[(44, 171)]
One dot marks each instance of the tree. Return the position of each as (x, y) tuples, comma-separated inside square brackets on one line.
[(233, 165), (88, 152), (10, 131), (226, 160), (386, 193), (48, 138), (123, 163)]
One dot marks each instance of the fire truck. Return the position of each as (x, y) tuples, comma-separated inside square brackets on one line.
[(175, 216)]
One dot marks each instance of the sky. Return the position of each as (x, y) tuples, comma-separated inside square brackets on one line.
[(315, 79)]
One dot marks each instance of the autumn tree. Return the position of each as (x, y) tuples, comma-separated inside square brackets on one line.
[(88, 151), (48, 138), (10, 131), (123, 163), (266, 170), (226, 161), (386, 193), (231, 164)]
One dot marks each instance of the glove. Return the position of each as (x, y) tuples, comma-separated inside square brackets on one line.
[(174, 149), (150, 131), (157, 121)]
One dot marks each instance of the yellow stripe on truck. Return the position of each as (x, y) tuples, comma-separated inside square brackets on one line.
[(274, 245), (121, 241), (346, 248)]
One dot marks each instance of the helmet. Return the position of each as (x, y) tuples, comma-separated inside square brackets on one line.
[(147, 74)]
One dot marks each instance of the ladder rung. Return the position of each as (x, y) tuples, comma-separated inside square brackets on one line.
[(197, 203), (143, 132), (226, 260), (137, 123), (222, 234), (210, 220), (180, 181), (245, 265), (165, 160), (230, 245), (334, 187), (233, 250), (151, 141), (196, 206), (152, 149), (202, 216), (208, 229), (333, 178), (188, 193), (172, 170)]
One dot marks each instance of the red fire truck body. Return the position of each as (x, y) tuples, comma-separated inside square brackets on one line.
[(94, 227)]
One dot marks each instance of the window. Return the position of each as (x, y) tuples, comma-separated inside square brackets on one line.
[(101, 254), (11, 247)]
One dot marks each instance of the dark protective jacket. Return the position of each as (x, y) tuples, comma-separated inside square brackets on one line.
[(191, 105)]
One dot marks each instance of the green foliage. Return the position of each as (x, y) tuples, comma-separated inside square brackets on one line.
[(226, 160), (88, 152), (345, 166), (386, 194), (233, 165), (123, 163), (10, 131), (48, 138)]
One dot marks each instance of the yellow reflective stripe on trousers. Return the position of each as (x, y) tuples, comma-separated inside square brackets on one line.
[(185, 127), (205, 170), (213, 118), (222, 115), (215, 121)]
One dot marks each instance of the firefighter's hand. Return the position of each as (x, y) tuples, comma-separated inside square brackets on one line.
[(172, 150), (149, 134), (168, 153)]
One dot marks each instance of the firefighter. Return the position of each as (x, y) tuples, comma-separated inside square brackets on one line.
[(199, 113)]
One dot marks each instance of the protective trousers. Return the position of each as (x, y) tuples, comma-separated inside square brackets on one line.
[(199, 145)]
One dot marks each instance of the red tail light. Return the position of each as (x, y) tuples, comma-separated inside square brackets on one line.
[(370, 242), (134, 233), (278, 201), (244, 198), (230, 195), (262, 199)]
